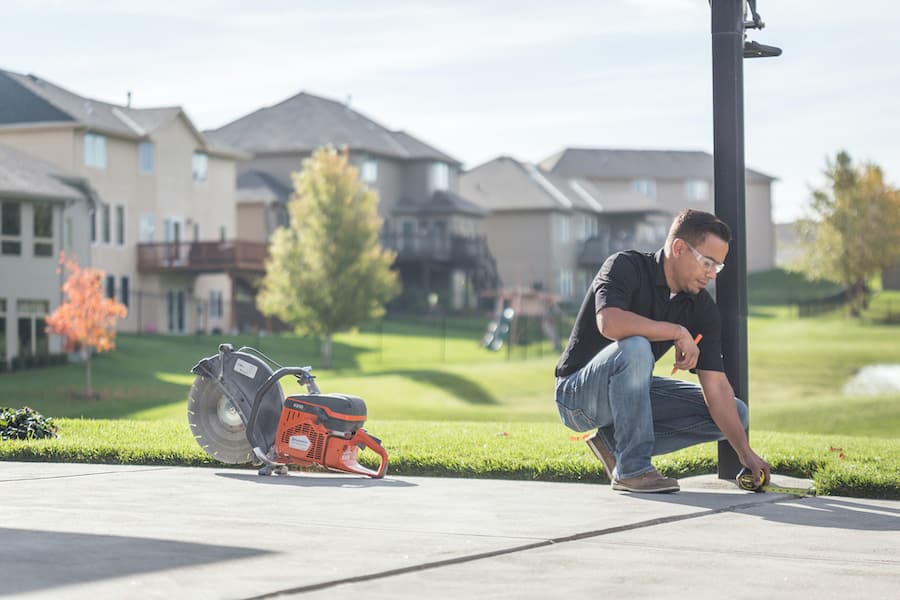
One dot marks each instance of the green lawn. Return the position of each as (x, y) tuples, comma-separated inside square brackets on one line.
[(443, 404)]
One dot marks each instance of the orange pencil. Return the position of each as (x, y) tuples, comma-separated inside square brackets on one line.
[(696, 341)]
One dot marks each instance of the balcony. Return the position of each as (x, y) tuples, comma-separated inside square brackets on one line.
[(202, 257), (453, 249)]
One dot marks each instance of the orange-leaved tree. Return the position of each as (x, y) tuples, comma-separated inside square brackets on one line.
[(87, 319)]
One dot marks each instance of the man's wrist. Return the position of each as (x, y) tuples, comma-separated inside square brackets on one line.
[(680, 331)]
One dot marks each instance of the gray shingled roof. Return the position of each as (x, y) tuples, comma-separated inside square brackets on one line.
[(305, 122), (258, 185), (632, 164), (22, 175), (440, 202)]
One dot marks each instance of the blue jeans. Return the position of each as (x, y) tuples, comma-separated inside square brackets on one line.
[(637, 415)]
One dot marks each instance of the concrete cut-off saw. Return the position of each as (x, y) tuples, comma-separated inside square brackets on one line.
[(238, 414)]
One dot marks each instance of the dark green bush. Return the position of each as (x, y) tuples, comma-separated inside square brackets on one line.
[(25, 424)]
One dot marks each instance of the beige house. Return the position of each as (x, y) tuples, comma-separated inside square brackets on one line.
[(552, 225), (164, 226), (43, 209)]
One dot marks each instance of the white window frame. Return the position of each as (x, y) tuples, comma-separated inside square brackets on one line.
[(368, 170), (42, 240), (697, 190), (147, 229), (439, 176), (145, 158), (644, 187), (125, 290), (11, 237), (216, 304), (200, 167), (32, 310), (95, 150), (106, 224), (121, 231)]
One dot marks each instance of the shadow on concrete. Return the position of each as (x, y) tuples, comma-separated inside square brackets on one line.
[(810, 511), (73, 558), (332, 481)]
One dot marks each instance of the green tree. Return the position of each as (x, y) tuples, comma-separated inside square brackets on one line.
[(327, 272), (854, 233)]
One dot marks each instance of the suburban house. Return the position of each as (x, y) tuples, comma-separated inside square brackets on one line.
[(585, 204), (436, 232), (43, 209), (163, 225)]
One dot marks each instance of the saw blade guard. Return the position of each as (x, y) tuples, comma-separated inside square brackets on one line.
[(227, 386)]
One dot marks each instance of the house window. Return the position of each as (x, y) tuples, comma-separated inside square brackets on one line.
[(145, 158), (105, 226), (95, 150), (369, 170), (697, 190), (175, 310), (124, 292), (32, 327), (439, 176), (11, 230), (146, 228), (645, 187), (43, 230), (120, 225), (200, 166), (110, 286), (216, 304)]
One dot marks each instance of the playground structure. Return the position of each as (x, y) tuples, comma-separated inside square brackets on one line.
[(510, 306)]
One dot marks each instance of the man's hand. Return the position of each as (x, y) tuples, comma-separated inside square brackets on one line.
[(686, 351), (757, 466)]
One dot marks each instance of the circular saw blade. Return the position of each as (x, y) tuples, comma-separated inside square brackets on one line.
[(216, 424)]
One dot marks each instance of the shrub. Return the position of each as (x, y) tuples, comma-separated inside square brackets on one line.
[(25, 424)]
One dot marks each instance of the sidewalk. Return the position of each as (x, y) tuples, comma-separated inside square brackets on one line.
[(102, 531)]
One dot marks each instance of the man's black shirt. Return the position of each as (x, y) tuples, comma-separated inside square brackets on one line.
[(636, 282)]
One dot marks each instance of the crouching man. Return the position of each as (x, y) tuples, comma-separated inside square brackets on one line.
[(636, 308)]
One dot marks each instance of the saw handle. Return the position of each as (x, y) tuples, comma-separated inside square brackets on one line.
[(362, 436)]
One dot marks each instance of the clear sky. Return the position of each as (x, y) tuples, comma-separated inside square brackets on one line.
[(479, 79)]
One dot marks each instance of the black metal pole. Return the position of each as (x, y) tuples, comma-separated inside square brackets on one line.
[(728, 159)]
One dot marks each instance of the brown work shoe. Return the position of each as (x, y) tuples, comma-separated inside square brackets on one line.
[(603, 453), (649, 482)]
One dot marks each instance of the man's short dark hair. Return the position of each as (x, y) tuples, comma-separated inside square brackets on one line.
[(692, 226)]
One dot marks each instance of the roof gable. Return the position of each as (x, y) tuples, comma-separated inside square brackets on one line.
[(18, 104)]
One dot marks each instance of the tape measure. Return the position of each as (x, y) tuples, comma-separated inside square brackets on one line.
[(746, 481)]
